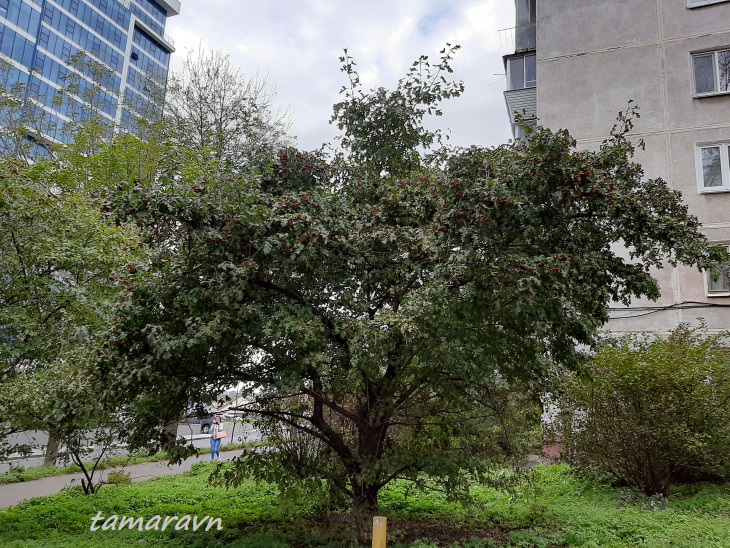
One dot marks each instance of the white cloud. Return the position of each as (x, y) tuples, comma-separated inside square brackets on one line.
[(297, 43)]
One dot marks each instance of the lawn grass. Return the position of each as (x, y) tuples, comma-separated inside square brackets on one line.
[(554, 508)]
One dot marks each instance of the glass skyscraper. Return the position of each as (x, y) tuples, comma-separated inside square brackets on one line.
[(38, 37)]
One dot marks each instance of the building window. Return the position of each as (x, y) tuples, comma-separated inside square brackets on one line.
[(522, 72), (713, 167), (699, 3), (711, 72), (526, 11), (718, 281)]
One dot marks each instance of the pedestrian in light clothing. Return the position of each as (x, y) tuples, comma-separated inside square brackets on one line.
[(215, 438)]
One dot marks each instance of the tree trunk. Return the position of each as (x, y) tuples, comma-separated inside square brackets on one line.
[(54, 443), (365, 502), (364, 507), (171, 433)]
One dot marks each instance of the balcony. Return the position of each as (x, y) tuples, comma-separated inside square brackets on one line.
[(172, 7), (525, 37), (518, 39), (507, 40)]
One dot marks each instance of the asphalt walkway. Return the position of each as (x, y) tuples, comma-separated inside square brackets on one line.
[(14, 493)]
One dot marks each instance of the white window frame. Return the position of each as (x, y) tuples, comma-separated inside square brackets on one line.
[(523, 60), (706, 276), (724, 147), (699, 3), (715, 70)]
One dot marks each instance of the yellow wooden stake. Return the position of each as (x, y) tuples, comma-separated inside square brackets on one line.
[(380, 527)]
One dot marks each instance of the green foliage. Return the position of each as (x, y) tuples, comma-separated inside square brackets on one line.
[(58, 252), (581, 513), (63, 253), (71, 512), (399, 315), (23, 122), (85, 88), (651, 412), (60, 255), (118, 477), (383, 130)]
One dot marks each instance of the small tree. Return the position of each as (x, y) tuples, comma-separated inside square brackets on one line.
[(60, 253), (61, 398), (211, 105), (381, 309), (383, 130), (651, 412), (59, 256)]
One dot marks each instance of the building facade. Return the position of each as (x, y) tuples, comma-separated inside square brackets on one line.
[(672, 57), (39, 37), (521, 67)]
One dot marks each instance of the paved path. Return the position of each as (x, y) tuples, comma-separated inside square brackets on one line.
[(238, 432), (14, 493)]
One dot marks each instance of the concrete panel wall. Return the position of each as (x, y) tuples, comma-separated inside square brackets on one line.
[(688, 288), (593, 56), (683, 109), (709, 208), (585, 93), (568, 27), (694, 289), (679, 21), (640, 320)]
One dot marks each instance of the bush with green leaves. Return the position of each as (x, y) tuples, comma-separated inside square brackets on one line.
[(119, 477), (652, 413), (385, 303)]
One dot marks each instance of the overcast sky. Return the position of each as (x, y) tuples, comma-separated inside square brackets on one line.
[(297, 44)]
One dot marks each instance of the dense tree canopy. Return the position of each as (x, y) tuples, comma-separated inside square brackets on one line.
[(58, 254), (382, 306), (62, 251)]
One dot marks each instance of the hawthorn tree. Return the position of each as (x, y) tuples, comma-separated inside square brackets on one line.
[(386, 311)]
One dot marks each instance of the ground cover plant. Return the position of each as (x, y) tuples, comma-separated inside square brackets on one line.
[(549, 507)]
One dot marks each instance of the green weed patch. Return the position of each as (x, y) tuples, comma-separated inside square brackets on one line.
[(551, 507)]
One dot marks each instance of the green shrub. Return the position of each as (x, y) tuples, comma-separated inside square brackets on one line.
[(119, 477), (651, 412)]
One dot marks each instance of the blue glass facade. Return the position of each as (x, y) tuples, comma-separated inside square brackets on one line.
[(38, 37)]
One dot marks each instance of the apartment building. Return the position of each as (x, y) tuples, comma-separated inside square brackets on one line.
[(38, 37), (575, 65)]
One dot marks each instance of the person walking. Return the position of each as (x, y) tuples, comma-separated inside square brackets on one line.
[(216, 436)]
